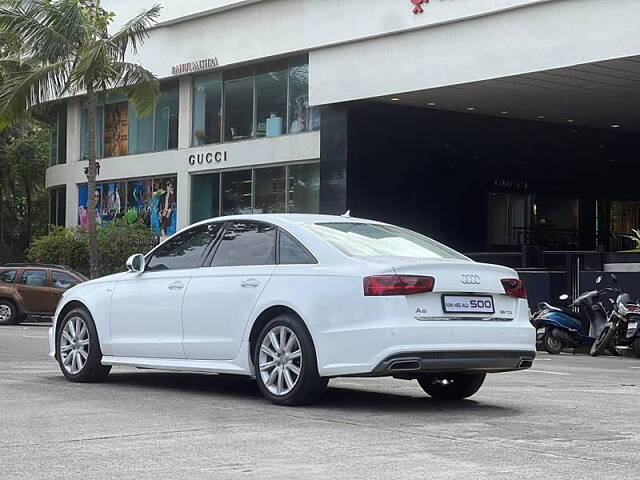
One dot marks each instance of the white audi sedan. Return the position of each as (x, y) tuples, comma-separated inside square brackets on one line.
[(295, 300)]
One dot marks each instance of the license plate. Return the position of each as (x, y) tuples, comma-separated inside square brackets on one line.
[(467, 304), (542, 330), (632, 326)]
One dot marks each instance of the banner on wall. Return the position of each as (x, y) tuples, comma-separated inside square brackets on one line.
[(151, 202)]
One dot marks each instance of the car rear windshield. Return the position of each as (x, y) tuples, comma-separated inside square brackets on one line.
[(373, 240)]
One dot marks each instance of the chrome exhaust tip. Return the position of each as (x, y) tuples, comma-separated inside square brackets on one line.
[(405, 366), (525, 363)]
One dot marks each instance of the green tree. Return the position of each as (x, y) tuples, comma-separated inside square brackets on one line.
[(66, 47), (23, 198)]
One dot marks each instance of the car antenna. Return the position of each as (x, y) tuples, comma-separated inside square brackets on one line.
[(346, 214)]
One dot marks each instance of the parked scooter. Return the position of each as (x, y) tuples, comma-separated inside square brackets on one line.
[(622, 329), (563, 327)]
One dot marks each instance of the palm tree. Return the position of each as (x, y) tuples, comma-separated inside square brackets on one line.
[(66, 47)]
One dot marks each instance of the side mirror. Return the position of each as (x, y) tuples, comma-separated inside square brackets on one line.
[(564, 297), (136, 263), (598, 279)]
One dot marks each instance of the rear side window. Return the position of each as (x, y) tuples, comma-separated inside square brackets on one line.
[(246, 243), (8, 276), (184, 250), (292, 252), (34, 278), (63, 280)]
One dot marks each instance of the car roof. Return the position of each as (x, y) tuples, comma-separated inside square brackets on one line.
[(298, 218), (34, 265)]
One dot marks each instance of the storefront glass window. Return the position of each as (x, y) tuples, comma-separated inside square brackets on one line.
[(238, 104), (140, 132), (84, 133), (269, 190), (58, 138), (302, 118), (236, 192), (166, 121), (207, 109), (304, 188), (58, 206), (271, 99), (205, 197)]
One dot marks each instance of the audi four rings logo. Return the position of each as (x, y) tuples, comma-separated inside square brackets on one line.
[(470, 279)]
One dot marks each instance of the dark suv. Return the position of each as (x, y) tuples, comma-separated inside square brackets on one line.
[(33, 289)]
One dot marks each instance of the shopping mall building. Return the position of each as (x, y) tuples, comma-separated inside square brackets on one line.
[(487, 124)]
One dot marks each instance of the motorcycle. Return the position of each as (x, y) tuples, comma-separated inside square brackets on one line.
[(564, 327), (622, 329)]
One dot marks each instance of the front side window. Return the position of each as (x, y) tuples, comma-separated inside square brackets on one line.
[(246, 243), (34, 278), (184, 250), (238, 104), (207, 109), (371, 240), (8, 276), (292, 252), (63, 280)]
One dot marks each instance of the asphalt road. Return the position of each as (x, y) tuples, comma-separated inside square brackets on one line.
[(567, 417)]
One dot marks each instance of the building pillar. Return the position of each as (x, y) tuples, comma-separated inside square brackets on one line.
[(185, 112), (74, 140), (183, 199), (333, 159)]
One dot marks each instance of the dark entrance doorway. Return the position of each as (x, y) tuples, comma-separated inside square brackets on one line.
[(479, 183)]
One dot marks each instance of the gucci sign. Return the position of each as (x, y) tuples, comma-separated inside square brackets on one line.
[(209, 157)]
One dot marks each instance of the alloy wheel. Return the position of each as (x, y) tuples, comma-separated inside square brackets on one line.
[(5, 313), (74, 345), (280, 360)]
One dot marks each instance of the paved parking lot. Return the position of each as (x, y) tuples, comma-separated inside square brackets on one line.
[(568, 417)]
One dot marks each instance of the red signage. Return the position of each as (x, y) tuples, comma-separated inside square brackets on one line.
[(418, 6)]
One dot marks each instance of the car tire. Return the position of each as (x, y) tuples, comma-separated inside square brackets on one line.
[(551, 344), (77, 337), (9, 314), (602, 342), (453, 386), (287, 373)]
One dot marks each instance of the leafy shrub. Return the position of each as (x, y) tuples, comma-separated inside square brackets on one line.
[(70, 246)]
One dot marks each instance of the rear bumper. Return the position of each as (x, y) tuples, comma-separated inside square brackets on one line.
[(484, 361)]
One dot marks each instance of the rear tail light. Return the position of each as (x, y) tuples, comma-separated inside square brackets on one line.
[(383, 285), (514, 287)]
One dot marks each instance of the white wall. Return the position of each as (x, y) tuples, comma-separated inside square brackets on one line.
[(258, 29), (539, 37)]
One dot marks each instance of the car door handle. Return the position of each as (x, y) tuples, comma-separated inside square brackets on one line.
[(250, 283), (176, 285)]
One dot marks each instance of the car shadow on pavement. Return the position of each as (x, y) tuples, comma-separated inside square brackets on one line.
[(376, 401), (336, 398)]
